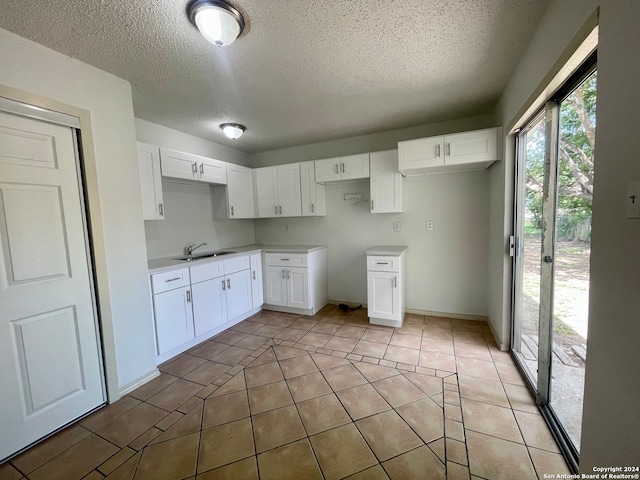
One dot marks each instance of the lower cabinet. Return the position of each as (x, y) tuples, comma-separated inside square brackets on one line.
[(385, 286), (209, 305), (238, 292), (174, 318), (288, 286)]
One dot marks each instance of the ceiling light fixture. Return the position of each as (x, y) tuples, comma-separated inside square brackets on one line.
[(217, 21), (233, 130)]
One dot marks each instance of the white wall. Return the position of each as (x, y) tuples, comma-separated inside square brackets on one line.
[(446, 268), (52, 80), (611, 419), (187, 206)]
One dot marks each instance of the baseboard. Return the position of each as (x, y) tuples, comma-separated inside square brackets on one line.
[(502, 346), (139, 382), (459, 316)]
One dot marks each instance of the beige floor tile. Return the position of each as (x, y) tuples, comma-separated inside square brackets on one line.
[(242, 470), (171, 397), (362, 401), (282, 320), (127, 469), (232, 356), (498, 459), (437, 333), (225, 409), (428, 384), (409, 341), (206, 373), (520, 398), (410, 329), (377, 336), (76, 461), (453, 412), (372, 473), (322, 413), (350, 331), (453, 429), (283, 353), (462, 324), (452, 397), (267, 357), (500, 357), (291, 334), (466, 336), (296, 367), (326, 328), (263, 374), (437, 447), (342, 344), (225, 444), (8, 472), (315, 339), (457, 472), (145, 438), (341, 378), (168, 460), (509, 374), (437, 346), (402, 355), (548, 463), (482, 390), (425, 417), (295, 461), (441, 322), (375, 372), (341, 452), (308, 386), (116, 461), (181, 365), (387, 434), (398, 390), (472, 350), (456, 451), (154, 386), (418, 463), (269, 397), (107, 414), (304, 324), (277, 427), (372, 349), (236, 384), (191, 422), (438, 361), (477, 368), (251, 342), (247, 326), (535, 431), (209, 350), (230, 337), (132, 424), (269, 331), (40, 454)]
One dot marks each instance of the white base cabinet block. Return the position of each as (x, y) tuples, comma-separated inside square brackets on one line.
[(386, 182), (385, 286), (150, 182)]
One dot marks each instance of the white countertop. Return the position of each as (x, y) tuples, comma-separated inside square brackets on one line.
[(388, 251), (170, 263)]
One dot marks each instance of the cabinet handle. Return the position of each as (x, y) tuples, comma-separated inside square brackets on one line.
[(280, 208), (188, 296), (283, 274), (254, 274), (437, 150), (232, 210), (337, 168), (343, 168), (229, 283), (382, 263), (285, 259), (395, 282), (172, 279), (223, 287), (194, 168), (448, 149), (288, 274), (160, 209), (202, 169), (372, 205), (312, 208)]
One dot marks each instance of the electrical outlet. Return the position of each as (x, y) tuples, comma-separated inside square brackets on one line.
[(429, 225), (633, 199), (396, 226), (286, 228)]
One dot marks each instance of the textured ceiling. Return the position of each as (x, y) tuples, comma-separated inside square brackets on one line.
[(303, 71)]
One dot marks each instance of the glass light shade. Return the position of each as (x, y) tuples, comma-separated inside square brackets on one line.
[(232, 130), (217, 25)]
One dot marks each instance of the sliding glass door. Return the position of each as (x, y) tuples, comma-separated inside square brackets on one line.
[(554, 187)]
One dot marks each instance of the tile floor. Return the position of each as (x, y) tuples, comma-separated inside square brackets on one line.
[(285, 397)]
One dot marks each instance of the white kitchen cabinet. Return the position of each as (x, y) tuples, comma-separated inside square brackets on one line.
[(385, 286), (174, 318), (257, 292), (351, 167), (208, 296), (187, 166), (238, 292), (296, 282), (236, 199), (150, 182), (313, 194), (459, 151), (385, 182), (278, 191)]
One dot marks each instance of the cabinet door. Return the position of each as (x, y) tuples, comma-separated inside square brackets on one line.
[(421, 153), (209, 305), (212, 171), (174, 318), (238, 290), (150, 182), (275, 286), (178, 164), (298, 287), (257, 293), (289, 201), (267, 191), (386, 182), (312, 193), (240, 192), (355, 166), (328, 170), (471, 147), (383, 295)]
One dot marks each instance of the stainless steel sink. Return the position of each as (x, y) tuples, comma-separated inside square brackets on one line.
[(192, 258)]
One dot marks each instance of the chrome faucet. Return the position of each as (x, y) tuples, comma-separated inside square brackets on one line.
[(190, 249)]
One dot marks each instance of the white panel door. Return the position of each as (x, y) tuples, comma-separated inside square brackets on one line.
[(328, 170), (298, 287), (275, 286), (212, 171), (257, 292), (209, 305), (383, 295), (150, 182), (355, 166), (50, 364), (421, 153), (386, 182), (178, 164), (471, 147), (239, 298), (312, 193), (240, 197), (267, 191), (174, 318), (289, 201)]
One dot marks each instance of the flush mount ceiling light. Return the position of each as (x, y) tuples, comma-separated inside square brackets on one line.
[(217, 21), (232, 130)]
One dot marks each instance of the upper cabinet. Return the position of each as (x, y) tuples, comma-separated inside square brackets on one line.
[(460, 151), (351, 167), (150, 181), (386, 182), (313, 194), (278, 191), (235, 200), (186, 166)]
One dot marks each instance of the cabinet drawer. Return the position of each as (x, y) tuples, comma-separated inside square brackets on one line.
[(383, 264), (200, 273), (286, 259), (162, 282), (236, 264)]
